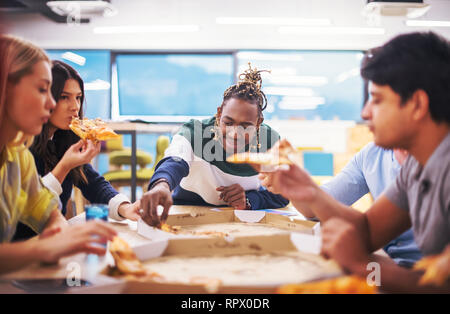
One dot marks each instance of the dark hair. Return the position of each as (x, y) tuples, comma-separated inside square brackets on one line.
[(365, 60), (51, 152), (411, 62), (248, 88)]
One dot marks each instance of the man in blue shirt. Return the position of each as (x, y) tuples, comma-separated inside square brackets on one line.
[(372, 170)]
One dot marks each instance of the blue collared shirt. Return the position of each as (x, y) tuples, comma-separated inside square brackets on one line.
[(372, 170)]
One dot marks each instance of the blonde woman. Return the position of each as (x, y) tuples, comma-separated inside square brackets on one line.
[(25, 105)]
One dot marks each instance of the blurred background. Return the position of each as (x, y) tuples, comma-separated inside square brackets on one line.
[(164, 62)]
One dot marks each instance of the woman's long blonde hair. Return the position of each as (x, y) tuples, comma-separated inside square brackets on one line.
[(17, 58)]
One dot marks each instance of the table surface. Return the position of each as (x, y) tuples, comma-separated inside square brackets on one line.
[(90, 267)]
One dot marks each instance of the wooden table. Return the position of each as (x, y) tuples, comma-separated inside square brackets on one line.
[(132, 129), (90, 267)]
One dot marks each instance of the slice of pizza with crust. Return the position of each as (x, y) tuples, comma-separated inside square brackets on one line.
[(282, 153), (125, 259), (127, 264), (340, 285), (168, 228), (437, 268), (94, 130)]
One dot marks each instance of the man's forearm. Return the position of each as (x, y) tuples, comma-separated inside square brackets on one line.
[(395, 279), (304, 209), (323, 206)]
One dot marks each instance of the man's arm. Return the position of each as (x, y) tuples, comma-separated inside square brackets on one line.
[(350, 184), (171, 169), (397, 279), (263, 199), (383, 222), (167, 176), (296, 185), (342, 242)]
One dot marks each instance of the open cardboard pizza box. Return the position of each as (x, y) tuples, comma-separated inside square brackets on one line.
[(245, 264), (230, 223)]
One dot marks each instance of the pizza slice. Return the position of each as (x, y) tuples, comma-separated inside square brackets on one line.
[(125, 259), (168, 228), (437, 268), (282, 153), (340, 285), (127, 265), (94, 130)]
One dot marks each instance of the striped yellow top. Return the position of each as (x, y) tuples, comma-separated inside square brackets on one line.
[(23, 197)]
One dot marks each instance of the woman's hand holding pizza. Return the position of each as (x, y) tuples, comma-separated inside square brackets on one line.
[(80, 153)]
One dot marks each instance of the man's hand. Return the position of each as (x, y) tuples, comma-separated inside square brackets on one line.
[(342, 242), (294, 183), (159, 195), (233, 195)]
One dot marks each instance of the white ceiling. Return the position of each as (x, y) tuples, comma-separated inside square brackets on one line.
[(212, 36)]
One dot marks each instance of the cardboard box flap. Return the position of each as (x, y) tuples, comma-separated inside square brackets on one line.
[(290, 223), (251, 216), (307, 243), (150, 250)]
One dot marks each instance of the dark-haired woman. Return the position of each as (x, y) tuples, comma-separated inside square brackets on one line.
[(194, 170), (62, 159)]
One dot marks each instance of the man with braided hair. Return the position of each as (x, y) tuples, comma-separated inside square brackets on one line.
[(194, 170)]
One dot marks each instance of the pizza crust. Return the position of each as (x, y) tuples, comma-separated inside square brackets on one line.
[(436, 267), (94, 130), (282, 153)]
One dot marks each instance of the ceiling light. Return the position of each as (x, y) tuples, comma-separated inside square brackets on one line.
[(331, 30), (288, 91), (425, 23), (73, 57), (272, 21), (298, 80), (301, 103), (135, 29), (97, 85), (347, 74)]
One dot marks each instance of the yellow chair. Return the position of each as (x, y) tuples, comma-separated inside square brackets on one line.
[(119, 178)]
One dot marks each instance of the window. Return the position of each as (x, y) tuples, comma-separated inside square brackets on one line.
[(309, 85), (170, 87), (94, 68)]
